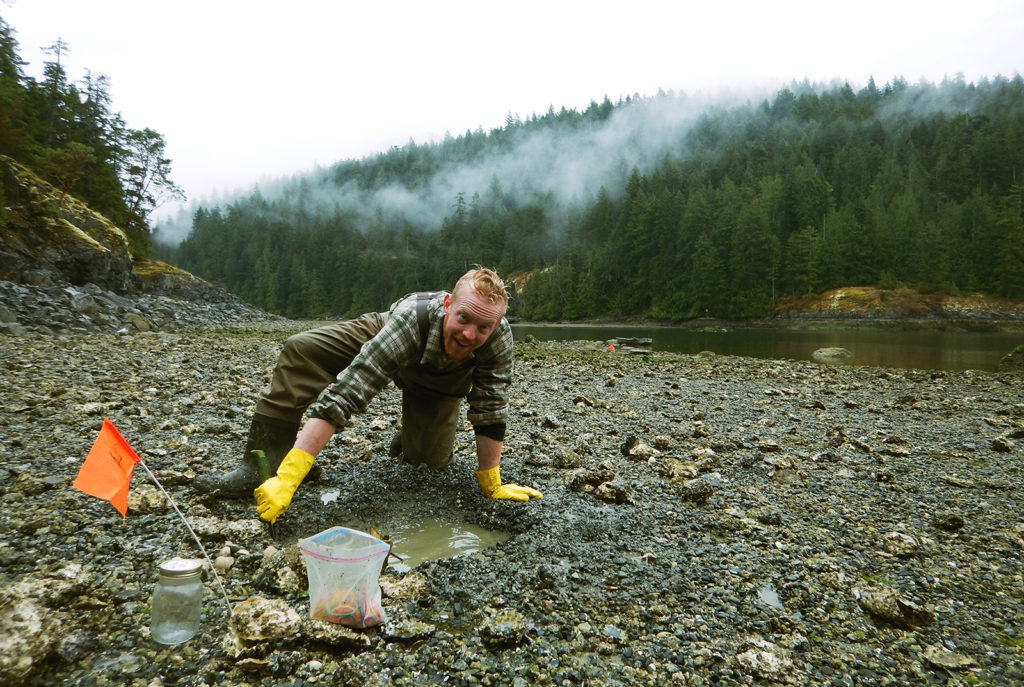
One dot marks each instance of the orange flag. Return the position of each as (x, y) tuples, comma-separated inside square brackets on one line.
[(107, 470)]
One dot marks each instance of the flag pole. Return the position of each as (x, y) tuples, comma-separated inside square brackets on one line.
[(213, 569)]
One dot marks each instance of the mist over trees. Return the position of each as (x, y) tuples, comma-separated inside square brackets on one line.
[(67, 133), (657, 207)]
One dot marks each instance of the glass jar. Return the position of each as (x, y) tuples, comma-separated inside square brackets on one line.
[(177, 601)]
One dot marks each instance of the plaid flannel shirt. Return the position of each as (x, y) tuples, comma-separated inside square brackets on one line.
[(398, 345)]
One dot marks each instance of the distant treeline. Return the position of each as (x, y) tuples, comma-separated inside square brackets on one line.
[(811, 189), (67, 133)]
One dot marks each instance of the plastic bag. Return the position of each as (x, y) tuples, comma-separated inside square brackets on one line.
[(343, 566)]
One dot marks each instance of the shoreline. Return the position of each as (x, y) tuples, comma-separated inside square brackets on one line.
[(792, 323)]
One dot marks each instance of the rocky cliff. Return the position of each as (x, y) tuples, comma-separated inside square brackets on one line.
[(47, 237), (63, 266)]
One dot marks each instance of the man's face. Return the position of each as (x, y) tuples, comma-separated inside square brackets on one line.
[(468, 321)]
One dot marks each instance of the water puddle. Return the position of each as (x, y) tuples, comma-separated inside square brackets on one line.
[(433, 539)]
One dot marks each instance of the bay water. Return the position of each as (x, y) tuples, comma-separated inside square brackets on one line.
[(882, 347)]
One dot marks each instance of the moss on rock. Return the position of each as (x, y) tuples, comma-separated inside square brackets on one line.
[(50, 237)]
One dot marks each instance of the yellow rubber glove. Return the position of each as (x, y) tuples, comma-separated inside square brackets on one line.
[(490, 485), (274, 496)]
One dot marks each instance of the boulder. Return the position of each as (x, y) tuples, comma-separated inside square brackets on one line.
[(832, 354), (30, 632), (32, 623), (506, 627), (887, 605), (258, 619)]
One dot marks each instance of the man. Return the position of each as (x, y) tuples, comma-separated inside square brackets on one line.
[(438, 351)]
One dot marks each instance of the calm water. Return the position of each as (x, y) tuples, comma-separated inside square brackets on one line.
[(929, 350)]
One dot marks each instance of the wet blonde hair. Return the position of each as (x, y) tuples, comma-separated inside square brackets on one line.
[(486, 284)]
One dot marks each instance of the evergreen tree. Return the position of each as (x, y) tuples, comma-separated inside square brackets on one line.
[(816, 188), (1009, 273), (707, 279), (70, 136), (146, 177), (14, 139), (800, 269)]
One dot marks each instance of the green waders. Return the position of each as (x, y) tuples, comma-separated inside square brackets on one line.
[(310, 361)]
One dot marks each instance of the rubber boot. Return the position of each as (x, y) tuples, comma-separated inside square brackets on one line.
[(274, 437), (395, 451)]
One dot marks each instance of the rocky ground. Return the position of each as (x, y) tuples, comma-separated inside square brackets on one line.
[(54, 307), (705, 521)]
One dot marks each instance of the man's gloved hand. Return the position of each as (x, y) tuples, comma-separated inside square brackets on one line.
[(490, 485), (274, 495)]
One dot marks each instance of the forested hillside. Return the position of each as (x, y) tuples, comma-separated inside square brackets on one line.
[(68, 134), (653, 207)]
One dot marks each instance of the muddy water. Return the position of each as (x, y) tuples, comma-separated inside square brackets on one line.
[(432, 539)]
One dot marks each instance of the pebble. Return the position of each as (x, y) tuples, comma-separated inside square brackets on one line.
[(223, 563)]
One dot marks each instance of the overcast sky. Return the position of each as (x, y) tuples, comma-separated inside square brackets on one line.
[(244, 90)]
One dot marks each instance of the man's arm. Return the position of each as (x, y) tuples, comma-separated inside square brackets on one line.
[(394, 345), (316, 433), (488, 452), (274, 496)]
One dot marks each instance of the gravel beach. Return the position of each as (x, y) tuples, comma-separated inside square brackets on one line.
[(706, 520)]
